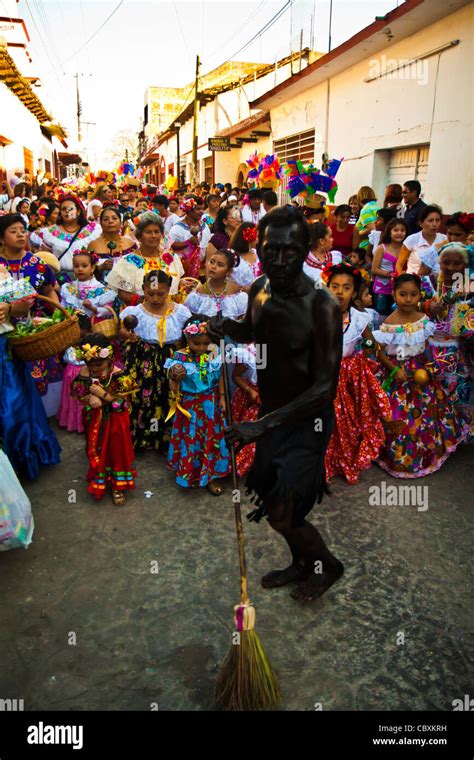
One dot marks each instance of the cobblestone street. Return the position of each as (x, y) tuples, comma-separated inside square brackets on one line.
[(144, 637)]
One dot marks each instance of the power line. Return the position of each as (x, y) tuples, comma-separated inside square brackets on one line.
[(95, 33), (264, 29), (239, 30), (186, 47)]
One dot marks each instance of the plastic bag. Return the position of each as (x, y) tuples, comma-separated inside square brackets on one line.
[(16, 519)]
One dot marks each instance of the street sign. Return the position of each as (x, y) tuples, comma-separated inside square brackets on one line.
[(218, 143)]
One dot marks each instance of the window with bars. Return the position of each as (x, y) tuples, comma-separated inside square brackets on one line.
[(299, 147)]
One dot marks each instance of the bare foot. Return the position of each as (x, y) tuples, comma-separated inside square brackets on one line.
[(315, 586), (278, 578)]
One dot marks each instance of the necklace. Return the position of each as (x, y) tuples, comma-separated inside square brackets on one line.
[(14, 265), (218, 297)]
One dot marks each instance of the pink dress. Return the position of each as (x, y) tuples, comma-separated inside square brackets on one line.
[(70, 410)]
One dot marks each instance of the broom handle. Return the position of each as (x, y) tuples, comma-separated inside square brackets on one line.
[(238, 514)]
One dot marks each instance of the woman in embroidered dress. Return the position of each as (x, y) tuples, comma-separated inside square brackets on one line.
[(218, 294), (320, 255), (197, 452), (360, 403), (72, 232), (128, 271), (430, 428), (152, 341), (250, 267), (26, 436), (112, 243), (105, 391), (46, 373)]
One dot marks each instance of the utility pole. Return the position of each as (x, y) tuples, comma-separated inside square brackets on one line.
[(79, 110), (195, 124)]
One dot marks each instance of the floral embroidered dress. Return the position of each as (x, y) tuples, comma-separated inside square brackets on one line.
[(359, 407), (243, 410), (198, 452), (47, 373), (452, 357), (432, 427), (145, 362), (128, 271), (63, 244), (109, 442)]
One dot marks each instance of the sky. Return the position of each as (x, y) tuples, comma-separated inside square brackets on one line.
[(156, 42)]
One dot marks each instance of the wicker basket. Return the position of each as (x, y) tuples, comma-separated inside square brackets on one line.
[(107, 327), (51, 341)]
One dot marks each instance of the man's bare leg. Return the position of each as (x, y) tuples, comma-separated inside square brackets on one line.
[(312, 564)]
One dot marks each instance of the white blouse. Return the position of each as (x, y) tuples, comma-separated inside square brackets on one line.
[(148, 324), (244, 274), (417, 245), (233, 306), (246, 355), (403, 341), (359, 320)]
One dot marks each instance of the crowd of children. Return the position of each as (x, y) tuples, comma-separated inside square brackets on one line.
[(145, 376)]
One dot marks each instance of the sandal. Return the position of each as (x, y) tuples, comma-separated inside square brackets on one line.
[(215, 488), (118, 498)]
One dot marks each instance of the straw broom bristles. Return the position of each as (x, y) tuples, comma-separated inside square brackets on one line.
[(247, 680)]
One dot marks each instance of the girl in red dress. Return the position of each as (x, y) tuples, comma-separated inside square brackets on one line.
[(104, 389), (360, 404)]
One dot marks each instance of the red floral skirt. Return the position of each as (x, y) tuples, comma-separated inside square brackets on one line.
[(244, 411), (358, 433)]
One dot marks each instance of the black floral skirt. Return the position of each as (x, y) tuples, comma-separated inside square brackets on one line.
[(149, 409)]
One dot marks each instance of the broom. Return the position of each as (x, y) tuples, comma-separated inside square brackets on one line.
[(247, 680)]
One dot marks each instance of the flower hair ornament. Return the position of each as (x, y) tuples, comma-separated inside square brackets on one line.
[(250, 234), (196, 328), (332, 269), (188, 205), (85, 252), (89, 353)]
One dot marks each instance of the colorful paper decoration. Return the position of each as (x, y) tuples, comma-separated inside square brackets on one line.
[(266, 170), (308, 180)]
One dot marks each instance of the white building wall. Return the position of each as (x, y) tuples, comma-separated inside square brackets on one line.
[(18, 124), (435, 107)]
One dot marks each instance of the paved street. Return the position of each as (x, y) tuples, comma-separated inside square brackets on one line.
[(144, 637)]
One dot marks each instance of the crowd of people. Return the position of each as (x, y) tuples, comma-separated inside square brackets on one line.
[(147, 272)]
